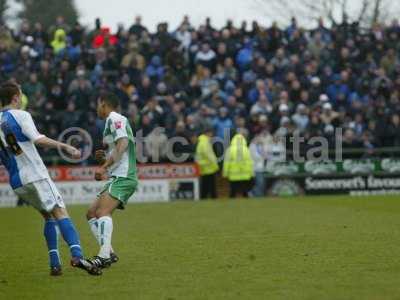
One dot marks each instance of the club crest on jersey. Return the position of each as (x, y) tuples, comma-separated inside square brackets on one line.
[(118, 124)]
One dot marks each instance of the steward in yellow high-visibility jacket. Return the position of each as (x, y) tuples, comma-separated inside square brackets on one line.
[(238, 166), (208, 164)]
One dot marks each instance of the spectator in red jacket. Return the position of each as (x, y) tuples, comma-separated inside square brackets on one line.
[(105, 38)]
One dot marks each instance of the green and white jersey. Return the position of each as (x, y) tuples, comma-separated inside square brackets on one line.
[(117, 127)]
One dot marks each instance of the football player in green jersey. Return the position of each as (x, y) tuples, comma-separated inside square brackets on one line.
[(118, 164)]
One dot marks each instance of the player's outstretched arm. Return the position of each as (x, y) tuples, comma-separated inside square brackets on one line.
[(29, 129), (46, 142)]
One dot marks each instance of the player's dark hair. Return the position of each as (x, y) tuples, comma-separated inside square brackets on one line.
[(110, 99), (7, 91)]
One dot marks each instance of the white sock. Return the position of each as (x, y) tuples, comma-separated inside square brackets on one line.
[(93, 227), (105, 229), (93, 224)]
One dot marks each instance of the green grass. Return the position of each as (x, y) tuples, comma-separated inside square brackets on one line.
[(293, 248)]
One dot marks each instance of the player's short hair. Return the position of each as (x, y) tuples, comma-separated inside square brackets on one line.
[(110, 99), (7, 91)]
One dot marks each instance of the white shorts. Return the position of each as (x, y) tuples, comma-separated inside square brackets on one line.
[(42, 195)]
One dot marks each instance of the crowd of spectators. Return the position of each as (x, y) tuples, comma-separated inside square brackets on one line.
[(272, 81)]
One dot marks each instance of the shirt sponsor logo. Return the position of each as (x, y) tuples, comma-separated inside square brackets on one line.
[(118, 124)]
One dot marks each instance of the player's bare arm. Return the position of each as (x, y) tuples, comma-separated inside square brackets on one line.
[(46, 142), (115, 157)]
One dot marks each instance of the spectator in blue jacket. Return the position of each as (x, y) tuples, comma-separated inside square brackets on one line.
[(245, 56), (222, 123), (155, 69), (337, 91)]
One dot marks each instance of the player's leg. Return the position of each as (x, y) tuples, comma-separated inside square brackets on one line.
[(68, 230), (50, 234), (117, 194), (52, 202), (58, 210), (29, 194), (92, 220), (106, 205), (71, 237), (94, 226)]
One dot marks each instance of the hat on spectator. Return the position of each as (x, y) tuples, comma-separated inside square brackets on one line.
[(161, 87), (29, 39), (315, 80), (323, 98), (283, 107), (25, 49), (327, 106)]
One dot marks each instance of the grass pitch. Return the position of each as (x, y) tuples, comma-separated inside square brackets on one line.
[(293, 248)]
